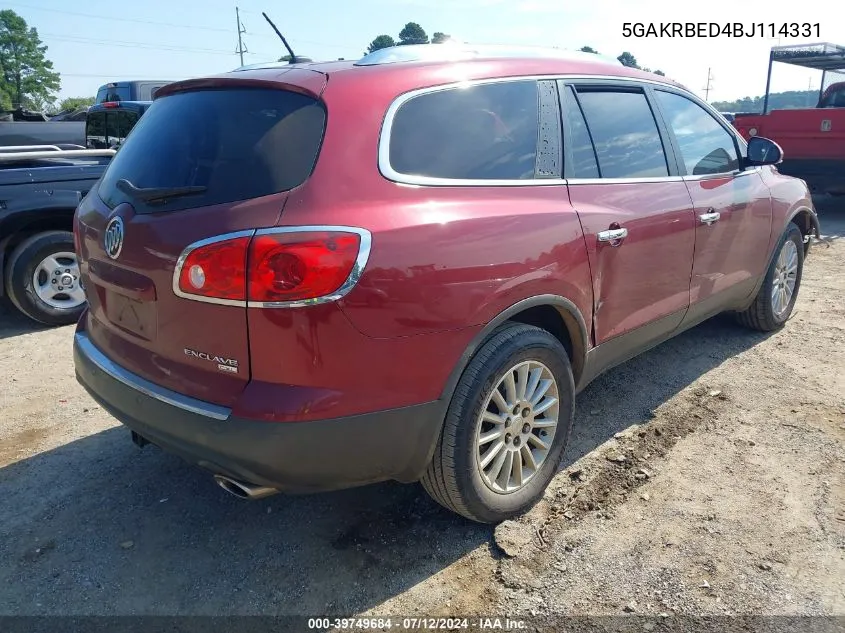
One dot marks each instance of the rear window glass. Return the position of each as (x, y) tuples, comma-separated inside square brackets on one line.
[(114, 93), (484, 132), (236, 144)]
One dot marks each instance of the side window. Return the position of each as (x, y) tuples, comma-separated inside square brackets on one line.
[(95, 131), (483, 132), (624, 133), (706, 147), (583, 155), (119, 124)]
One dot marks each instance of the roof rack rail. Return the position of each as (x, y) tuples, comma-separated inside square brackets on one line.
[(456, 51)]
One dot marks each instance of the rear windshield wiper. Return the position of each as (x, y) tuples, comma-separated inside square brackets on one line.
[(157, 194)]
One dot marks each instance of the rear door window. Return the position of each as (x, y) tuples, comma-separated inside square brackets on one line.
[(706, 147), (624, 132), (233, 144), (481, 132), (582, 154), (95, 130)]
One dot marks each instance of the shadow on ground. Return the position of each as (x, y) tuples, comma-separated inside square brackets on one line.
[(97, 526), (13, 323)]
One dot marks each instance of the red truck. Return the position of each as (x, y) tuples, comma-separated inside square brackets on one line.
[(813, 139)]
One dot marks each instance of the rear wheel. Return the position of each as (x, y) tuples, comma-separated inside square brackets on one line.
[(42, 278), (506, 428), (774, 302)]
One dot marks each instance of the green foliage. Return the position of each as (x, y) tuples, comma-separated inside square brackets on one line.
[(777, 101), (285, 58), (26, 75), (439, 38), (412, 33), (74, 103), (628, 60), (588, 49), (382, 41), (660, 72)]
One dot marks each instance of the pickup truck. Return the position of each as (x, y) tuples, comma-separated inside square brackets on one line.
[(40, 187), (812, 139), (19, 127)]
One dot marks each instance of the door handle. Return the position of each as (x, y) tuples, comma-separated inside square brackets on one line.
[(612, 235), (710, 217)]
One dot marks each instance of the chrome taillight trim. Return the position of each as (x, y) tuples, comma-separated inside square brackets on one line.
[(364, 249), (177, 272)]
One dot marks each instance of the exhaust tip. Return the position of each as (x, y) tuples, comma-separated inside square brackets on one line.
[(243, 490)]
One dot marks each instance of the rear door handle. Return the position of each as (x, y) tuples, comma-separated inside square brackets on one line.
[(710, 217), (612, 235)]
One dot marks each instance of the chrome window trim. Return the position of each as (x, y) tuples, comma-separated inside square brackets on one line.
[(133, 381), (192, 247), (624, 181), (364, 249), (427, 181)]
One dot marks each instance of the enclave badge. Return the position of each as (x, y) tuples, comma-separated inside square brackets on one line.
[(113, 237), (223, 364)]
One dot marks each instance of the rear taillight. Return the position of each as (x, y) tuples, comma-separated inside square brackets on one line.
[(216, 270), (279, 267), (300, 266)]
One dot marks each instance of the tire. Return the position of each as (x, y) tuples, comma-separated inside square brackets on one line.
[(22, 265), (761, 314), (455, 477)]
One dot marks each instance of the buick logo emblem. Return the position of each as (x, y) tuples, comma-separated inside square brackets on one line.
[(113, 238)]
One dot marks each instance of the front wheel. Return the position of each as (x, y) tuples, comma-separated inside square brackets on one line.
[(775, 300), (506, 428), (42, 279)]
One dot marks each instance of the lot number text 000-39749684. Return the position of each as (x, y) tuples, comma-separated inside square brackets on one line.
[(721, 29)]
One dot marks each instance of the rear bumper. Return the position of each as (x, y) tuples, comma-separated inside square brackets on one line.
[(291, 456)]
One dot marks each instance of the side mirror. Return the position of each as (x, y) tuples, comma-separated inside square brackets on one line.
[(762, 151)]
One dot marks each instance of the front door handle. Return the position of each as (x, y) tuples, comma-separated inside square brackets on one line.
[(710, 217), (612, 235)]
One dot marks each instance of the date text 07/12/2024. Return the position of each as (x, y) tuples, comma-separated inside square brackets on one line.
[(416, 623), (768, 30)]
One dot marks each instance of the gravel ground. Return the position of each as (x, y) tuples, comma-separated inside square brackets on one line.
[(704, 477)]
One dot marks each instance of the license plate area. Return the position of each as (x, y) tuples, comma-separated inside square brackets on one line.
[(131, 315)]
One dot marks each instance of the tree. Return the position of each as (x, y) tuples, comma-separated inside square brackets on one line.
[(285, 58), (74, 103), (589, 49), (382, 41), (628, 60), (412, 33), (660, 72), (27, 77), (439, 38)]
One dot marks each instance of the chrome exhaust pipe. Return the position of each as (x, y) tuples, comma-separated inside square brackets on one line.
[(242, 489)]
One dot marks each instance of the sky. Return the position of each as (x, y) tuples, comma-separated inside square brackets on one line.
[(96, 41)]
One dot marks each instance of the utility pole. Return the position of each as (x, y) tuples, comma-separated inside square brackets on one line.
[(241, 30), (710, 78)]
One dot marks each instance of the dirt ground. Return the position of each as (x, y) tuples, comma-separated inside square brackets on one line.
[(704, 477)]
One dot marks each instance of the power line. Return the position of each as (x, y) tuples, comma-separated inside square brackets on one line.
[(123, 44), (174, 25)]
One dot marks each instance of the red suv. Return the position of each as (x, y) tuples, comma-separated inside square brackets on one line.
[(311, 276)]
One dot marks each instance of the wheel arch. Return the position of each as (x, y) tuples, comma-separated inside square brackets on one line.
[(17, 228), (557, 315)]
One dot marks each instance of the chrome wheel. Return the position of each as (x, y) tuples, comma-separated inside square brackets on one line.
[(786, 274), (517, 426), (56, 281)]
